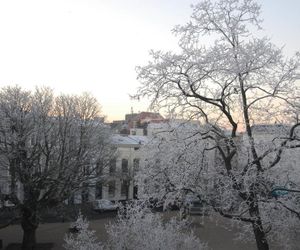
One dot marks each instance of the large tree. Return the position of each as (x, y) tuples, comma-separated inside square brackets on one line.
[(49, 148), (240, 79)]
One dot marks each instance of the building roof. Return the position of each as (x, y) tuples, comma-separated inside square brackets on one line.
[(129, 140), (270, 128)]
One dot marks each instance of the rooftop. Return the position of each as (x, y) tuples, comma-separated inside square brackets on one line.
[(129, 140)]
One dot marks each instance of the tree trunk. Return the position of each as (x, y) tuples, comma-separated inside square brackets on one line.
[(29, 226), (258, 230), (29, 239), (260, 236)]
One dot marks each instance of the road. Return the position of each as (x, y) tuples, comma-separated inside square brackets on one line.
[(217, 236)]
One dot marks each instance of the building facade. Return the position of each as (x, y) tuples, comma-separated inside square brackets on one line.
[(118, 183)]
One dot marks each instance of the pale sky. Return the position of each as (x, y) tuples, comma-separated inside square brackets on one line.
[(94, 45)]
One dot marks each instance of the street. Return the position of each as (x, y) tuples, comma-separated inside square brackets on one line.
[(217, 237)]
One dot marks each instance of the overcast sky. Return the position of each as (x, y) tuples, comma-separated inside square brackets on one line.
[(94, 45)]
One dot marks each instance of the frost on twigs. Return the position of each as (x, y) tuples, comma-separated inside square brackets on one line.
[(140, 229), (83, 238), (245, 91)]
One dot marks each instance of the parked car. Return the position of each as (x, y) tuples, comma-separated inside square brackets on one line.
[(7, 204), (104, 205)]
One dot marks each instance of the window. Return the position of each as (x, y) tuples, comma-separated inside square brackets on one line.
[(135, 192), (111, 189), (125, 188), (98, 191), (136, 164), (112, 166), (124, 166), (85, 192)]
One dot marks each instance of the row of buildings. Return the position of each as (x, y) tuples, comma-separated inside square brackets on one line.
[(129, 135), (133, 132)]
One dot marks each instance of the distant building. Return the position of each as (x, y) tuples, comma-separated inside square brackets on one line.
[(119, 127), (142, 120), (136, 123), (130, 117)]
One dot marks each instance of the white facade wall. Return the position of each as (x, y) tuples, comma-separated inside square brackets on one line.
[(127, 149)]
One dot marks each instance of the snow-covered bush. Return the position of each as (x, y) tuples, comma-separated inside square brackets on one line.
[(139, 229), (84, 239)]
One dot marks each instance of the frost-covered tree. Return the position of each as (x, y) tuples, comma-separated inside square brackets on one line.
[(240, 79), (49, 148), (140, 229), (83, 238), (180, 163), (173, 162)]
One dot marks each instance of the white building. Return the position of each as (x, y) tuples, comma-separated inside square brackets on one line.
[(117, 181)]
